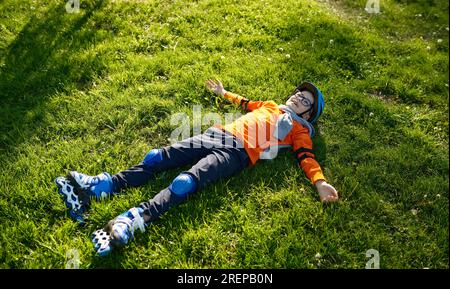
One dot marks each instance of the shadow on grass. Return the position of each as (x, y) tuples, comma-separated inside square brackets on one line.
[(40, 62)]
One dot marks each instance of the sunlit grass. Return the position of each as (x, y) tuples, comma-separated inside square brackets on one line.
[(94, 91)]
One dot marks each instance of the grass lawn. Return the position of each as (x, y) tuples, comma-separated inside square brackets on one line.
[(94, 91)]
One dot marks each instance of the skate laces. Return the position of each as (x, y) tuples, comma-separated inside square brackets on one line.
[(86, 181), (132, 219)]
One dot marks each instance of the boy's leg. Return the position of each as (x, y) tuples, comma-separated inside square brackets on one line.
[(174, 156), (219, 164), (179, 154), (77, 188)]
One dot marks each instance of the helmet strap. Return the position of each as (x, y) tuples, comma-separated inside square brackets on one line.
[(301, 114)]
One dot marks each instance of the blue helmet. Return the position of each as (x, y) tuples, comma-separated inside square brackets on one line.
[(319, 102)]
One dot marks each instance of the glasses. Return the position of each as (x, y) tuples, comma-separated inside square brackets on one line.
[(305, 101)]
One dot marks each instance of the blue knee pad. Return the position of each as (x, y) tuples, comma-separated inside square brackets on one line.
[(183, 185), (153, 157)]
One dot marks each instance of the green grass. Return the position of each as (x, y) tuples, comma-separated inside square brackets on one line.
[(94, 91)]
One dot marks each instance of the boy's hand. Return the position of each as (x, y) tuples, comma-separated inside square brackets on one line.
[(326, 191), (215, 86)]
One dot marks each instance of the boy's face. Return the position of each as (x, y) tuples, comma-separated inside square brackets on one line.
[(300, 102)]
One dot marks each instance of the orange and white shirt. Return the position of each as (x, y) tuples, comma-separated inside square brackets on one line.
[(255, 129)]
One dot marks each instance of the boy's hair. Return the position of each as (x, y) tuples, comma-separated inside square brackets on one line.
[(319, 102)]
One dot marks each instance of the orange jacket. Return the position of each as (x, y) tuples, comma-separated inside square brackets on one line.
[(255, 130)]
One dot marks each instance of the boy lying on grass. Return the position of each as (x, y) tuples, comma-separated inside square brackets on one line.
[(219, 152)]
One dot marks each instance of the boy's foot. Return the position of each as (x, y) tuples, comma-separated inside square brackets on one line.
[(98, 186), (119, 231), (77, 189), (76, 202)]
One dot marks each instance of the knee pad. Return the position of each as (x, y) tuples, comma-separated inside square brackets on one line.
[(153, 157), (183, 185)]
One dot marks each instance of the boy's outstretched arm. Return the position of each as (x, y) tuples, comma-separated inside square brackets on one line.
[(304, 153), (217, 87)]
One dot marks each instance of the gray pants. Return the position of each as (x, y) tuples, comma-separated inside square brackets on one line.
[(216, 154)]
